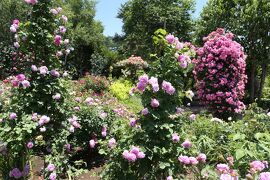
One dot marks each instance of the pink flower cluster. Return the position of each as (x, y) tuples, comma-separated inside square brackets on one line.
[(14, 26), (16, 173), (74, 124), (168, 88), (257, 166), (133, 154), (183, 59), (32, 2), (192, 160), (20, 80), (220, 73)]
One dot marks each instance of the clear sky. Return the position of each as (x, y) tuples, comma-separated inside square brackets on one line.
[(107, 11)]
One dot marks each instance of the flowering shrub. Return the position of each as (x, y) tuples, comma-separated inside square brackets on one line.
[(220, 73), (37, 118), (129, 67), (97, 84), (154, 131)]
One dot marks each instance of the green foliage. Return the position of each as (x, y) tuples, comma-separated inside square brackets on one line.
[(99, 64), (148, 16), (121, 89)]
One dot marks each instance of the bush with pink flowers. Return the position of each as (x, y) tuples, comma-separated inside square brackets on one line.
[(220, 74), (149, 146)]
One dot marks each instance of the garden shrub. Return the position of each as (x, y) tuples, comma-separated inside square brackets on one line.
[(99, 64), (121, 89), (97, 84), (152, 147), (38, 119), (220, 74), (131, 66)]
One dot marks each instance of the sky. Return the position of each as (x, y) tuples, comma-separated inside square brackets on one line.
[(107, 11)]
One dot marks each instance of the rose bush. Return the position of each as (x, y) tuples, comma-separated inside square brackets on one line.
[(220, 74)]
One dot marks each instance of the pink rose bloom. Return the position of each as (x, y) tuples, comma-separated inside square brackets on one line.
[(92, 143), (175, 137), (226, 177), (34, 116), (25, 83), (30, 145), (201, 157), (193, 160), (34, 68), (223, 168), (104, 132), (52, 176), (54, 11), (183, 64), (186, 144), (62, 29), (169, 178), (145, 111), (55, 73), (33, 2), (12, 116), (13, 29), (154, 103), (264, 176), (184, 159), (179, 110), (140, 155), (257, 165), (16, 22), (135, 150), (131, 157), (50, 167), (57, 96), (65, 19), (132, 122), (57, 40), (112, 143), (20, 77), (59, 9), (16, 45), (170, 38), (43, 70), (192, 117)]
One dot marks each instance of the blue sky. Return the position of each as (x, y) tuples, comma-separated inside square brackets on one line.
[(107, 12)]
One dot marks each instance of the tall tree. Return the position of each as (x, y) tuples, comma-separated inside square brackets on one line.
[(249, 21), (142, 18)]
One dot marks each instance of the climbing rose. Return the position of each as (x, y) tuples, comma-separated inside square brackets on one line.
[(12, 116), (92, 143), (34, 68), (51, 167), (33, 2), (220, 74), (43, 70), (184, 159), (57, 40), (25, 83), (132, 122), (257, 166), (145, 111), (112, 143), (104, 132), (54, 11), (30, 145), (186, 144), (170, 38), (20, 77), (154, 103), (193, 160), (223, 168), (201, 157), (13, 29), (192, 117), (175, 137), (226, 177), (16, 173), (169, 178), (52, 176), (264, 176)]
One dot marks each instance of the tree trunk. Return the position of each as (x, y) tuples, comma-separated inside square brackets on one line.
[(262, 82), (252, 81)]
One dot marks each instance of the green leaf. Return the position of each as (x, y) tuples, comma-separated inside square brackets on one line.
[(239, 154)]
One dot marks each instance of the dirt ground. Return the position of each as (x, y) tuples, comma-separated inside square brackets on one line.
[(37, 165)]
